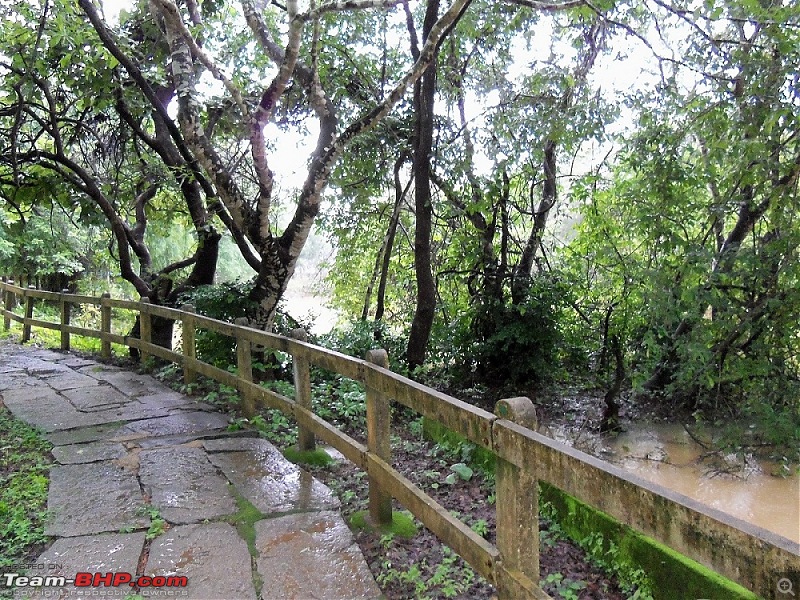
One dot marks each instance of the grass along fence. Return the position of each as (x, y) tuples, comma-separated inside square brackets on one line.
[(752, 557)]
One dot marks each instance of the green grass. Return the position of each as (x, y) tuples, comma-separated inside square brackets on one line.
[(24, 465)]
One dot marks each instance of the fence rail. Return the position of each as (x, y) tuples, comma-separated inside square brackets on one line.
[(748, 555)]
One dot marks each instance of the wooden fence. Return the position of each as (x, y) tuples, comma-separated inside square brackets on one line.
[(748, 555)]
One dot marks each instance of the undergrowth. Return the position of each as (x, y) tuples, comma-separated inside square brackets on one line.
[(24, 465)]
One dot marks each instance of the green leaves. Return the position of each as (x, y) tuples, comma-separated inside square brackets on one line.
[(459, 471)]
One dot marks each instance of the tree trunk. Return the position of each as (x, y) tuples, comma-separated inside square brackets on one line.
[(520, 283), (610, 420), (400, 194), (163, 292), (424, 96)]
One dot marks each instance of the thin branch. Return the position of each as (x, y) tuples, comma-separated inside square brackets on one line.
[(548, 6), (343, 5)]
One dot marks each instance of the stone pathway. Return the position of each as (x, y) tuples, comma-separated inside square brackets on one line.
[(241, 521)]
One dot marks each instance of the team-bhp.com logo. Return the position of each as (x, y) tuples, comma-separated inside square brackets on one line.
[(95, 580)]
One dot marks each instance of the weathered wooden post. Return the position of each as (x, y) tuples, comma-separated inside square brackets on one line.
[(517, 511), (105, 325), (10, 297), (189, 347), (26, 324), (145, 327), (65, 313), (244, 367), (302, 392), (378, 442)]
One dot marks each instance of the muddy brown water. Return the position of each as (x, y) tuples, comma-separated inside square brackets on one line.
[(667, 455)]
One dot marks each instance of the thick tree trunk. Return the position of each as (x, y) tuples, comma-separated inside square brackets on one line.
[(424, 96), (163, 292)]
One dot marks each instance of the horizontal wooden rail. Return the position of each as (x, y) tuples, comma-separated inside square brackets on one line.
[(748, 555)]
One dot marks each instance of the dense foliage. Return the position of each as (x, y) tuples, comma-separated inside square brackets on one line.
[(607, 189)]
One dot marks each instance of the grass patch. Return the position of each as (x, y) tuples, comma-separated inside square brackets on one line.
[(402, 524), (314, 458), (24, 465)]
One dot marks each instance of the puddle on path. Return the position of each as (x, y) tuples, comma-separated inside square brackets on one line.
[(667, 455)]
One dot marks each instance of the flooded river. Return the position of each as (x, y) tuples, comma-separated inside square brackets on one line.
[(668, 456)]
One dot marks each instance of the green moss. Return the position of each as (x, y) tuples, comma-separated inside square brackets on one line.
[(245, 519), (315, 458), (670, 574), (245, 522), (402, 524)]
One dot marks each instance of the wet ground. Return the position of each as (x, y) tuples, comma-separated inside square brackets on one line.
[(150, 482)]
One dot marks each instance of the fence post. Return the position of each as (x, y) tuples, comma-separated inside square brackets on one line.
[(65, 310), (105, 325), (187, 337), (145, 327), (244, 367), (26, 324), (517, 510), (10, 297), (302, 392), (378, 442)]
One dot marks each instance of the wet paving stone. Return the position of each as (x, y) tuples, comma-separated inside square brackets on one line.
[(76, 362), (132, 384), (43, 368), (100, 397), (212, 557), (201, 437), (184, 485), (44, 354), (82, 435), (43, 408), (86, 453), (175, 424), (295, 550), (93, 498), (106, 553), (272, 483), (235, 444), (172, 400), (99, 370), (117, 433), (71, 380), (14, 380)]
